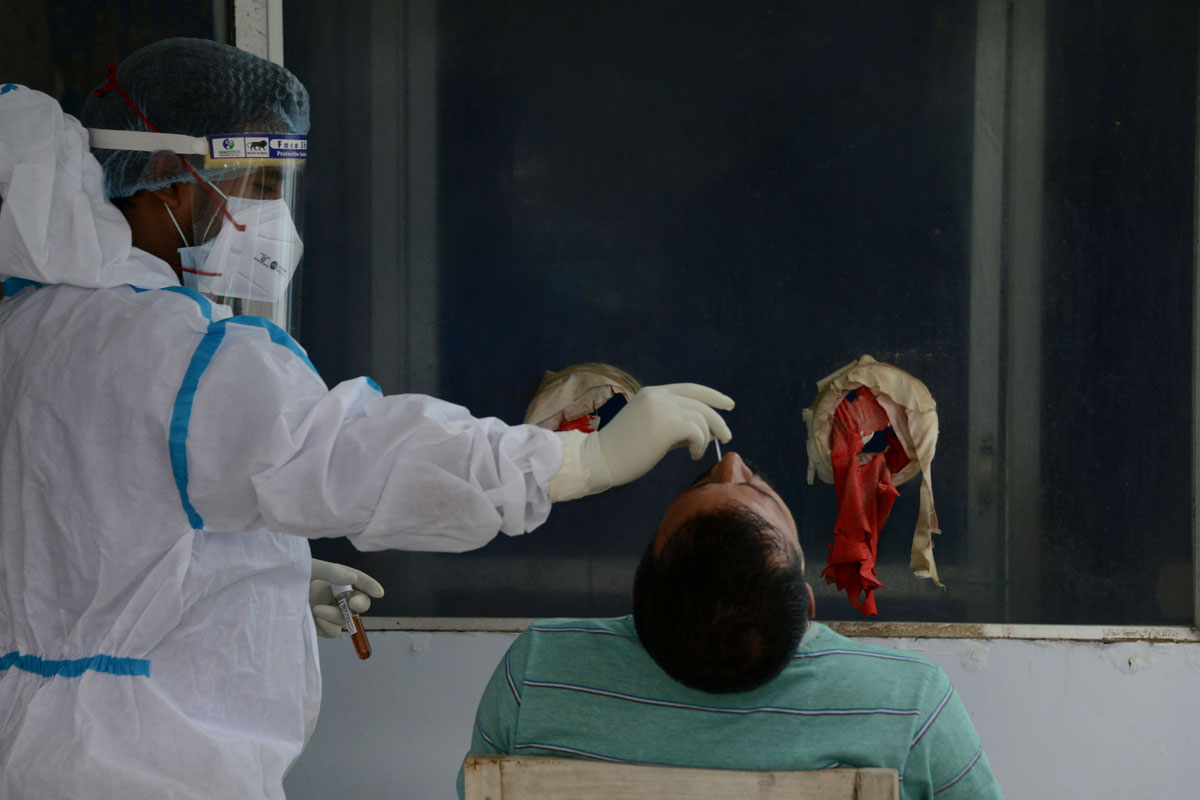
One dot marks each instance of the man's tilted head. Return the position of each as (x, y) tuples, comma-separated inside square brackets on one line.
[(719, 599)]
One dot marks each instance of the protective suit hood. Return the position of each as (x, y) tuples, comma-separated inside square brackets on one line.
[(55, 224)]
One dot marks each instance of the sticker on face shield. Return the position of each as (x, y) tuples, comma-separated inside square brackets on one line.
[(288, 146), (227, 146), (256, 146), (283, 146)]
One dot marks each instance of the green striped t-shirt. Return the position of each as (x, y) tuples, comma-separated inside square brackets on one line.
[(586, 688)]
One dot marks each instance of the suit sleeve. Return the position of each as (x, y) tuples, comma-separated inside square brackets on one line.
[(267, 444)]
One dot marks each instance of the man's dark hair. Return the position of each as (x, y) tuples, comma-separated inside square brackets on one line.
[(723, 605)]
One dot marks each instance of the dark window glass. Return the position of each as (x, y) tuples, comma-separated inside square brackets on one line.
[(998, 198)]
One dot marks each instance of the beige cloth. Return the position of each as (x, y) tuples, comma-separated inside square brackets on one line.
[(577, 391), (913, 417)]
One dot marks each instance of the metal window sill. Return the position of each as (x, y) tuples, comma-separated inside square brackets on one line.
[(879, 630)]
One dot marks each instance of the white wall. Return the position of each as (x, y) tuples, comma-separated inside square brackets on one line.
[(1058, 719)]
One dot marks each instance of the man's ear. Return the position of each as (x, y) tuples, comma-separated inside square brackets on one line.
[(176, 196), (812, 601)]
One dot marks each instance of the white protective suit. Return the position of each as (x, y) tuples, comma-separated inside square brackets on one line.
[(155, 453)]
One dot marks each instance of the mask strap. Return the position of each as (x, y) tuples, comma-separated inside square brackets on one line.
[(185, 244), (224, 197), (113, 83), (172, 216)]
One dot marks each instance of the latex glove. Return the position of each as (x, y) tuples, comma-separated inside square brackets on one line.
[(655, 421), (326, 614)]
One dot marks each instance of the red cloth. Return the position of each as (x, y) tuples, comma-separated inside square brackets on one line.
[(865, 495), (585, 424)]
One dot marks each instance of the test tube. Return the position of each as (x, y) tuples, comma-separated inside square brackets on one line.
[(341, 593)]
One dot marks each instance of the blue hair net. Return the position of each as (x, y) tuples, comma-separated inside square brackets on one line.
[(195, 87)]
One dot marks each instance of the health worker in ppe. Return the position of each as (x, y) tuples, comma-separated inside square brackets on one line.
[(162, 459)]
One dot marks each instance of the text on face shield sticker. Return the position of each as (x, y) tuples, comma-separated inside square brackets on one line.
[(287, 146)]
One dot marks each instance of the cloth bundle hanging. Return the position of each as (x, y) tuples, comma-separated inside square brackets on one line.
[(565, 400), (852, 404)]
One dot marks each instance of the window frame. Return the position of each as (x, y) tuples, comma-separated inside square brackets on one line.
[(1010, 69)]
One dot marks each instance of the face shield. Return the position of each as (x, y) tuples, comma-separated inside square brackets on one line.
[(245, 246), (245, 243)]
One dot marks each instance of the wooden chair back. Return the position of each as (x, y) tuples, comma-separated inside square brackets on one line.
[(547, 778)]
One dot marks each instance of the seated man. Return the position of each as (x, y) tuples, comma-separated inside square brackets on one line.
[(719, 667)]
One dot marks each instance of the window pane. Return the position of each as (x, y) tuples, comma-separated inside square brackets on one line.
[(62, 49), (1117, 407), (752, 195)]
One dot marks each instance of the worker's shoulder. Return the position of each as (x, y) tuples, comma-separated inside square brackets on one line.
[(216, 324), (125, 306), (120, 313)]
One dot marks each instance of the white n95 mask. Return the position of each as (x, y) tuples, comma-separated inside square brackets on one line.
[(256, 263)]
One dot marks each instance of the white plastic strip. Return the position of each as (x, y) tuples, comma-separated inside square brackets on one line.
[(147, 141)]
